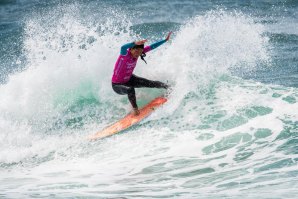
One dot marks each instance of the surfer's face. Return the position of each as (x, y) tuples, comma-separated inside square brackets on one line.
[(136, 52)]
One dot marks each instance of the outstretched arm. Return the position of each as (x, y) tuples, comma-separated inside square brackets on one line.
[(157, 44), (130, 45), (124, 48)]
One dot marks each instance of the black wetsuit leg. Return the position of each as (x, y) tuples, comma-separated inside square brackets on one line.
[(123, 89), (136, 82), (139, 82)]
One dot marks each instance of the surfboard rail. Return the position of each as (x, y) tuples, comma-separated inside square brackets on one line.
[(129, 120)]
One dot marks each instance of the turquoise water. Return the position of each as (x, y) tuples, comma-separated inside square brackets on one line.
[(229, 129)]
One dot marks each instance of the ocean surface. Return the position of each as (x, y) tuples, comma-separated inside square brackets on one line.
[(228, 130)]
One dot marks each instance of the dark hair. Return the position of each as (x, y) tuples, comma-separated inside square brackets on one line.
[(142, 57), (143, 54), (138, 46)]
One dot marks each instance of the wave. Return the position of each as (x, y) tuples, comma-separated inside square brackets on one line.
[(217, 131), (70, 63)]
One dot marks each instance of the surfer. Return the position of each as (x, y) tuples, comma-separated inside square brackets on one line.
[(124, 81)]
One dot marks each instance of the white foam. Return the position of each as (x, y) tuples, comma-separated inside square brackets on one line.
[(195, 61)]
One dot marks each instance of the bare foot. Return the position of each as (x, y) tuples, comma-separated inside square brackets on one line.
[(136, 111)]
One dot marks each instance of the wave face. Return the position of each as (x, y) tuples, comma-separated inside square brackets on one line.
[(229, 128)]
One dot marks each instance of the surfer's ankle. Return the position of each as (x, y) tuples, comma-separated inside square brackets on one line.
[(135, 111), (166, 85)]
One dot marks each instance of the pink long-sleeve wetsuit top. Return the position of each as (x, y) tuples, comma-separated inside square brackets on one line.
[(126, 63)]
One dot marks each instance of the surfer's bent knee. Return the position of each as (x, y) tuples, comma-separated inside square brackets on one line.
[(123, 89)]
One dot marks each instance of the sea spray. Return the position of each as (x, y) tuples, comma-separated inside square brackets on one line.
[(218, 136)]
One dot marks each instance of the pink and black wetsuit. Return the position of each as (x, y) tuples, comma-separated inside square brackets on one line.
[(123, 80)]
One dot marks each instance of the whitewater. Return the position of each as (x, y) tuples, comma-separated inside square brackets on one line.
[(220, 135)]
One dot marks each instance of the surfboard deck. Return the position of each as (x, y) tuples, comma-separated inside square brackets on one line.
[(129, 120)]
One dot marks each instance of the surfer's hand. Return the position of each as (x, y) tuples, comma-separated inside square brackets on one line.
[(136, 111), (169, 35), (140, 42)]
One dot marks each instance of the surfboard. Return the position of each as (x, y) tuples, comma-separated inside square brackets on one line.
[(129, 120)]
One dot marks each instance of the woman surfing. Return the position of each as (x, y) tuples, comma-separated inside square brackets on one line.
[(124, 81)]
